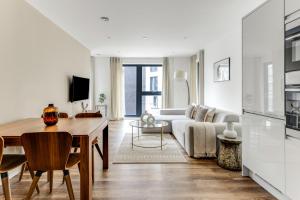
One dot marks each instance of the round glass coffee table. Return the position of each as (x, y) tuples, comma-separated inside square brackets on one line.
[(140, 125)]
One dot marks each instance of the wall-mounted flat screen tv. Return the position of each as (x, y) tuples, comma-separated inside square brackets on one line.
[(79, 89)]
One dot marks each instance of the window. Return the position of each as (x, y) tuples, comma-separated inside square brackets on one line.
[(143, 85), (153, 69), (155, 101), (153, 83)]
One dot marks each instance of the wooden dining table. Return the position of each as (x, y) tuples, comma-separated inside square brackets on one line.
[(86, 129)]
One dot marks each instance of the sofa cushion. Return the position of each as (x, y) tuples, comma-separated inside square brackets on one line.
[(200, 113), (210, 115), (189, 111)]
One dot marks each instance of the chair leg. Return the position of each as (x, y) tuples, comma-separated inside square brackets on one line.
[(32, 176), (34, 183), (99, 150), (69, 184), (93, 161), (63, 180), (50, 181), (5, 186), (22, 172)]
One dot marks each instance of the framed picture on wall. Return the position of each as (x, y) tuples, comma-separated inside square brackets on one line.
[(222, 70)]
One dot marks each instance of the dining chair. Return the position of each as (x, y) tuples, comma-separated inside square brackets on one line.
[(49, 151), (50, 173), (7, 163), (95, 143)]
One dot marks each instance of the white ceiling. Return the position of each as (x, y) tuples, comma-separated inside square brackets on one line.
[(172, 27)]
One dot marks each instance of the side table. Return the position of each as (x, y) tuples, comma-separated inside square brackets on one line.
[(230, 153)]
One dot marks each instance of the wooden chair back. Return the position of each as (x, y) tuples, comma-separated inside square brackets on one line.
[(1, 148), (63, 115), (60, 115), (47, 151), (88, 115)]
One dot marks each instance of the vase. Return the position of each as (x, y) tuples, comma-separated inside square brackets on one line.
[(229, 132), (150, 120), (144, 117), (50, 115)]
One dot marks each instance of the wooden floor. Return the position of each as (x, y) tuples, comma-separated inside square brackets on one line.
[(199, 179)]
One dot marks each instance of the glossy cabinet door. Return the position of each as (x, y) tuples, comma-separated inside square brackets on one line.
[(263, 60), (263, 148), (292, 171), (291, 6)]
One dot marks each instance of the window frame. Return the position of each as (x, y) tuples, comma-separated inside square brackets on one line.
[(139, 86)]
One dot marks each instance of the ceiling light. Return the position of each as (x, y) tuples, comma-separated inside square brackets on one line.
[(104, 18)]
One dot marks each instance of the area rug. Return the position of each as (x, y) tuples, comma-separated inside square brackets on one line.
[(169, 154)]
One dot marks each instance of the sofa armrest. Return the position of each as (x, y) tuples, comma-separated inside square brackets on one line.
[(172, 111), (219, 128)]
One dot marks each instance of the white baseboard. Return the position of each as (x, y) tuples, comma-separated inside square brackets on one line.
[(272, 190)]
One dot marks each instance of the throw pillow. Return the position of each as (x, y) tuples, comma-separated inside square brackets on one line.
[(200, 113), (210, 115), (189, 111)]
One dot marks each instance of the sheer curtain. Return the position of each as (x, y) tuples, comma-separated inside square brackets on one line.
[(193, 79), (116, 82), (197, 78), (166, 84), (200, 90)]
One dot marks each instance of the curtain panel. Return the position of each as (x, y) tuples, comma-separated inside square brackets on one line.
[(166, 84), (193, 79), (116, 82)]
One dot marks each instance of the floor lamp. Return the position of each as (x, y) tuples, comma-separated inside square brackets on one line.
[(181, 75)]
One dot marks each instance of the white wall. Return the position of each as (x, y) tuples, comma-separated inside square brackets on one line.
[(102, 80), (37, 59), (224, 95)]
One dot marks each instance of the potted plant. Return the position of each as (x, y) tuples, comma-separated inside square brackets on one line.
[(102, 98)]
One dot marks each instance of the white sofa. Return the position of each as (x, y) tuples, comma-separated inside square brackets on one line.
[(183, 127)]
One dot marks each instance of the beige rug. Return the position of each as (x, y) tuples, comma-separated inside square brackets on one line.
[(169, 154)]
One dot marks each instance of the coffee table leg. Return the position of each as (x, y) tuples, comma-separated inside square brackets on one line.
[(132, 137)]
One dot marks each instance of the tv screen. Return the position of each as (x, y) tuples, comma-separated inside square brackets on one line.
[(79, 89)]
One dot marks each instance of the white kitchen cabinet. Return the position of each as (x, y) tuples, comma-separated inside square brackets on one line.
[(263, 60), (263, 148), (291, 6), (292, 170)]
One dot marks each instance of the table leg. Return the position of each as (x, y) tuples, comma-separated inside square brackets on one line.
[(105, 148), (138, 133), (132, 137), (85, 168)]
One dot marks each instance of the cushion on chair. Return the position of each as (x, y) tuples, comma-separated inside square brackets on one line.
[(11, 161)]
